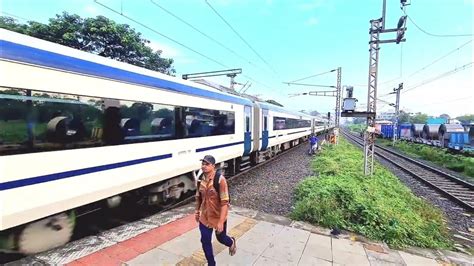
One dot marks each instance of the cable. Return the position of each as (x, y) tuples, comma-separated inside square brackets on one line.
[(451, 100), (432, 63), (217, 13), (202, 33), (435, 35), (169, 38), (15, 16), (311, 85), (443, 75), (161, 34), (384, 101), (312, 76), (439, 59)]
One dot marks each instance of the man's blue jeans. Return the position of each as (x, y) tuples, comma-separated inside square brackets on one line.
[(206, 240)]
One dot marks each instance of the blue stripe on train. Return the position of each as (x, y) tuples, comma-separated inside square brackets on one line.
[(218, 146), (83, 171)]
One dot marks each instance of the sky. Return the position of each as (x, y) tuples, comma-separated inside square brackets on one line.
[(276, 41)]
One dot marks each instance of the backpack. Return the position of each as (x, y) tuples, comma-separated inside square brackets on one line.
[(216, 185)]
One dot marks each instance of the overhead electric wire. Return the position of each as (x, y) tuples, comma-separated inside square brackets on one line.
[(450, 100), (232, 28), (433, 62), (435, 35), (443, 75), (202, 33), (310, 85), (15, 16), (312, 76), (161, 34), (439, 59), (173, 40)]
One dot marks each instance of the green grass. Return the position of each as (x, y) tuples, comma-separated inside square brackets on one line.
[(379, 207), (15, 131), (441, 157)]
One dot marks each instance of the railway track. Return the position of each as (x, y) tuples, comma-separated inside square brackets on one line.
[(458, 190)]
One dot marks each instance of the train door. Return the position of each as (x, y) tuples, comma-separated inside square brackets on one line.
[(264, 129), (247, 131)]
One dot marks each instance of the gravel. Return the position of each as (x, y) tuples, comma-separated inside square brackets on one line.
[(270, 188)]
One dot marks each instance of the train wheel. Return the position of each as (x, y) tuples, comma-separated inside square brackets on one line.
[(46, 234)]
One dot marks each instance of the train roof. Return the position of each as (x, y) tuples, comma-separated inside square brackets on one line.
[(26, 49)]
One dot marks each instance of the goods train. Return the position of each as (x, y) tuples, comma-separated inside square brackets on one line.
[(455, 137), (79, 131)]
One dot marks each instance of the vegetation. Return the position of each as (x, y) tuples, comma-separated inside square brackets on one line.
[(466, 118), (378, 207), (98, 35), (418, 118), (458, 163), (357, 127)]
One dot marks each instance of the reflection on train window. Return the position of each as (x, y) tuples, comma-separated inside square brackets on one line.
[(145, 121), (38, 121), (289, 123), (205, 122), (34, 121)]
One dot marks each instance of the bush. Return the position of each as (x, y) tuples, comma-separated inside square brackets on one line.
[(379, 207)]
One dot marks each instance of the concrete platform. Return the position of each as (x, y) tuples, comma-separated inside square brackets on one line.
[(172, 238)]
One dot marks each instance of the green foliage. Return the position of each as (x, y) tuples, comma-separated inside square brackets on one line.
[(441, 157), (466, 118), (379, 207), (418, 118), (357, 127), (98, 35)]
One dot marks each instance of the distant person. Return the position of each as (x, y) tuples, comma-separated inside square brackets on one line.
[(313, 144), (212, 203)]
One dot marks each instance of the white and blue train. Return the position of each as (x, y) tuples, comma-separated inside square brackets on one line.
[(79, 130)]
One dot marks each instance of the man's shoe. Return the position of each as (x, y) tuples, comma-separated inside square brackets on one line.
[(233, 248)]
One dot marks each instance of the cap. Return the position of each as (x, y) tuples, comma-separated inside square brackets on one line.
[(209, 159)]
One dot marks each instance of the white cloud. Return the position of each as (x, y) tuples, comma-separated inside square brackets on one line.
[(312, 21), (91, 10), (167, 51)]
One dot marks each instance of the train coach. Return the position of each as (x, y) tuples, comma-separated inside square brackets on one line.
[(80, 132)]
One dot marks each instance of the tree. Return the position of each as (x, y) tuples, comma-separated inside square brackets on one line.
[(403, 117), (445, 116), (466, 118), (99, 35), (419, 118)]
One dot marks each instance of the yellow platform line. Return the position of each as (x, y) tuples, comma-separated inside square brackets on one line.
[(198, 257)]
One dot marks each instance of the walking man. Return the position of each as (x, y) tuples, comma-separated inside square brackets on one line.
[(212, 203)]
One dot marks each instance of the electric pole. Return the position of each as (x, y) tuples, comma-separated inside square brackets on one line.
[(338, 97), (397, 111), (377, 26)]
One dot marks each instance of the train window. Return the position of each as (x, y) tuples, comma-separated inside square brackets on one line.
[(206, 122), (265, 123), (289, 123), (34, 121), (247, 124), (140, 121)]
